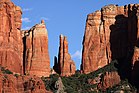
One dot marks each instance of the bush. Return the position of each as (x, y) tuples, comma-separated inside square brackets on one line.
[(50, 82), (124, 85), (6, 71), (16, 75)]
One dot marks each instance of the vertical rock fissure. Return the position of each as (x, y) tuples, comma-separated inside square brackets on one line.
[(32, 44), (101, 23), (107, 55), (24, 55)]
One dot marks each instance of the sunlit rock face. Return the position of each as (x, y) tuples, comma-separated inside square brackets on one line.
[(34, 58), (36, 54), (21, 84), (65, 65), (111, 33), (11, 46)]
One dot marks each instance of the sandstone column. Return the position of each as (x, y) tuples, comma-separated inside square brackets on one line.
[(37, 60), (65, 66)]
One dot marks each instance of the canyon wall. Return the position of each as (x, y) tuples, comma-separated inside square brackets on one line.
[(10, 36), (65, 65), (111, 33)]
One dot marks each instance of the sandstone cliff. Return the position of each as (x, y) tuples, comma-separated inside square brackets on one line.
[(10, 36), (65, 66), (34, 58), (36, 55), (111, 33)]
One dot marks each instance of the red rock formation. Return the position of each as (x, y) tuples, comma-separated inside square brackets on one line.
[(135, 56), (36, 51), (10, 36), (21, 84), (65, 66), (135, 68), (109, 80), (110, 34)]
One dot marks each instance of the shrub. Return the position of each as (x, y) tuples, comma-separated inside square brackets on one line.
[(16, 75), (50, 82), (78, 83), (5, 71)]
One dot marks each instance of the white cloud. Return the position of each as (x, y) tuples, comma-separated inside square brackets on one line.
[(27, 20), (77, 54), (45, 18), (26, 9), (26, 28)]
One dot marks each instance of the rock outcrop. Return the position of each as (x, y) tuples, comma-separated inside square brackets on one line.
[(135, 68), (59, 86), (21, 84), (109, 80), (111, 33), (65, 66), (105, 81), (10, 36), (36, 55)]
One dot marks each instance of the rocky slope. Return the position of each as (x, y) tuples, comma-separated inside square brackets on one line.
[(10, 83), (65, 66)]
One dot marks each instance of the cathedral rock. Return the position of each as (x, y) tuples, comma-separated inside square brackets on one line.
[(23, 52), (65, 66), (11, 48), (36, 55), (112, 33)]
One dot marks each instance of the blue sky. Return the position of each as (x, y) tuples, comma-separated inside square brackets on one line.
[(67, 17)]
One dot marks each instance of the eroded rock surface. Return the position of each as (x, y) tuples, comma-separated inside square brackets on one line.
[(10, 36), (59, 86), (109, 80), (21, 84), (135, 67), (36, 53), (110, 34), (65, 65)]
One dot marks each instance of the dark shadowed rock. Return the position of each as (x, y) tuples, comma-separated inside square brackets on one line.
[(110, 34)]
